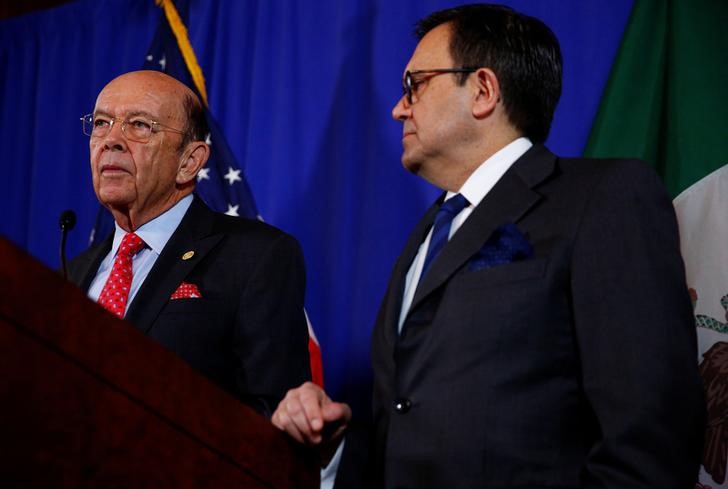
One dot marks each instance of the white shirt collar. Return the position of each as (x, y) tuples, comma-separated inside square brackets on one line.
[(156, 232), (477, 186)]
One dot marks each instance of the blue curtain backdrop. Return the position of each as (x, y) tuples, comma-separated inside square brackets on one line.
[(303, 91)]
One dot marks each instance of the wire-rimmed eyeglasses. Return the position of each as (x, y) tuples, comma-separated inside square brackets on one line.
[(412, 79), (135, 128)]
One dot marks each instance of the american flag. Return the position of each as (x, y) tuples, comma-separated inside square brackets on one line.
[(222, 183)]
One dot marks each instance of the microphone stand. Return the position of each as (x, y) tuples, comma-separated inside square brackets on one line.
[(67, 222)]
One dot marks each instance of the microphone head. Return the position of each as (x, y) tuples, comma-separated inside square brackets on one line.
[(67, 220)]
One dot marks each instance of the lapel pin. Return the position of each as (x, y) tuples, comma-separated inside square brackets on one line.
[(188, 255)]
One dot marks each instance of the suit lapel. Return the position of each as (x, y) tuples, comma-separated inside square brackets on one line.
[(194, 234), (86, 267), (508, 201), (399, 274)]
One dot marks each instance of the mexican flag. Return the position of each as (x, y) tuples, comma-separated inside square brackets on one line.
[(667, 103)]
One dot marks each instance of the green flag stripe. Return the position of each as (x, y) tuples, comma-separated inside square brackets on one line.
[(667, 97)]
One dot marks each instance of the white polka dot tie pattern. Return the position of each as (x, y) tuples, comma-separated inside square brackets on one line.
[(115, 293)]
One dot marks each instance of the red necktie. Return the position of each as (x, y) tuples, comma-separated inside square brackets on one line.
[(115, 293)]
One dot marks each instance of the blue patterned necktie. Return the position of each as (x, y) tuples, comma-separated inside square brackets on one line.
[(441, 229)]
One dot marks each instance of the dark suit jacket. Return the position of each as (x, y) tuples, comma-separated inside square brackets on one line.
[(248, 332), (574, 368)]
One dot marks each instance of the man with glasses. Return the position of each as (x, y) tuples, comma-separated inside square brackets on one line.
[(536, 331), (224, 293)]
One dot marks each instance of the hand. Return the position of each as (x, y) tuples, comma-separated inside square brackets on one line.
[(312, 418)]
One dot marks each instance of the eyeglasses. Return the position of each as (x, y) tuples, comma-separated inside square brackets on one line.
[(135, 128), (413, 79)]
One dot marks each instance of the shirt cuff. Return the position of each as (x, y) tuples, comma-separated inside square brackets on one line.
[(328, 473)]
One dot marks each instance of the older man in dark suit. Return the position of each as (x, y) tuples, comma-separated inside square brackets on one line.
[(536, 331), (225, 294)]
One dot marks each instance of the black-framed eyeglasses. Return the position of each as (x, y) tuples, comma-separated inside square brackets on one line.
[(412, 79), (135, 128)]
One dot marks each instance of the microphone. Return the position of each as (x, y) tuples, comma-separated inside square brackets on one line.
[(67, 221)]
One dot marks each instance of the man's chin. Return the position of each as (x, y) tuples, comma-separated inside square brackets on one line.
[(114, 200), (411, 165)]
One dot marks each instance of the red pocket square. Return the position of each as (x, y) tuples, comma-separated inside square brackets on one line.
[(186, 291)]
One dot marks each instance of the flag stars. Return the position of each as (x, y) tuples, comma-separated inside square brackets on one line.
[(232, 210), (163, 62), (232, 175), (203, 174), (208, 140)]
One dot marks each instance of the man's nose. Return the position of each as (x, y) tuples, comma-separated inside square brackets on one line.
[(115, 139), (401, 110)]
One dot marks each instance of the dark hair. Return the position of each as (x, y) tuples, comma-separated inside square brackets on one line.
[(522, 52), (196, 129)]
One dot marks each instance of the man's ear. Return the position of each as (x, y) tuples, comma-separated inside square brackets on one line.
[(488, 92), (194, 157)]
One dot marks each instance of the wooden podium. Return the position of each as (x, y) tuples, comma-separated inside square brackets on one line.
[(86, 400)]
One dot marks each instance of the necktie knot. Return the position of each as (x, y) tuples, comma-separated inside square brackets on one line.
[(441, 228), (131, 244), (453, 205)]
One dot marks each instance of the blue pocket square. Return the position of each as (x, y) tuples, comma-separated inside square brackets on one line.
[(505, 245)]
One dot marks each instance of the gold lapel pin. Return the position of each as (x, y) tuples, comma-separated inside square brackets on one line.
[(188, 255)]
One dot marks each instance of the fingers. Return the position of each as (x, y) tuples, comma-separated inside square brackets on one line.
[(310, 409), (299, 413), (335, 412), (309, 416), (336, 417)]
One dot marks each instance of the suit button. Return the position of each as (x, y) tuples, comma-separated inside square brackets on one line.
[(402, 405)]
